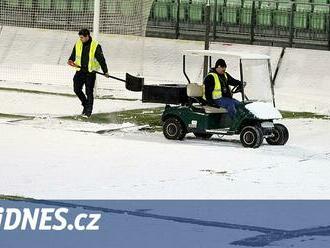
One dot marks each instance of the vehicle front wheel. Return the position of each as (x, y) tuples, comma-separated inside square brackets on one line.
[(251, 136), (280, 135), (174, 129)]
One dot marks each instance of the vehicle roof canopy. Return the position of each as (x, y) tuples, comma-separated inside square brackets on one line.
[(240, 55)]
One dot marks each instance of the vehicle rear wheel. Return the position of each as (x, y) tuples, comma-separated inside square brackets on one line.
[(281, 135), (174, 129), (251, 136), (203, 135)]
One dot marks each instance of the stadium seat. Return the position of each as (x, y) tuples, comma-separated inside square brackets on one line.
[(220, 4), (300, 19), (234, 3), (264, 13), (161, 10), (196, 10), (301, 15), (303, 6), (183, 11), (282, 15), (246, 13), (230, 11), (318, 18)]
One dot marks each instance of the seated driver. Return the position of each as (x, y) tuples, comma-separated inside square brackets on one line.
[(217, 91)]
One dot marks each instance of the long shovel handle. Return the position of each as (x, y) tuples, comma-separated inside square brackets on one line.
[(131, 83), (74, 65), (110, 76)]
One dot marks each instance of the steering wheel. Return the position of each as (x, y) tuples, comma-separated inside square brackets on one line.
[(236, 89)]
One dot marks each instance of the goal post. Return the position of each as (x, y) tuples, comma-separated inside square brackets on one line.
[(37, 37), (115, 16)]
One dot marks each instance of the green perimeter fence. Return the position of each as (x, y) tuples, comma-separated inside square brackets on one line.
[(300, 23)]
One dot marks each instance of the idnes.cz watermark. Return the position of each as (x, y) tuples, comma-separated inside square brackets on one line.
[(46, 219)]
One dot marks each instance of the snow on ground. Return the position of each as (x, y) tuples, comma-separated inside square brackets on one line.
[(303, 81), (22, 103), (50, 158), (55, 163), (131, 164), (120, 164)]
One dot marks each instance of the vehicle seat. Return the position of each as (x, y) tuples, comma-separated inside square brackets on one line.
[(196, 92)]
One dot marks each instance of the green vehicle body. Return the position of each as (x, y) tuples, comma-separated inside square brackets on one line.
[(196, 121)]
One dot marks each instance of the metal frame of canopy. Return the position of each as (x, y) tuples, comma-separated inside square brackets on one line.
[(241, 56)]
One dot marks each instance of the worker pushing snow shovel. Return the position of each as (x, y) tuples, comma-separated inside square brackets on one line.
[(87, 57)]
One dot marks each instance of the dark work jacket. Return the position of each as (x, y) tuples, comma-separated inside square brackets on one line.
[(85, 56), (225, 89)]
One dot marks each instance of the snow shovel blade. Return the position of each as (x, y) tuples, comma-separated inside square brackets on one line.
[(134, 83)]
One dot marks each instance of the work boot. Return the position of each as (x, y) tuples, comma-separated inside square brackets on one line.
[(87, 114), (84, 109), (88, 110)]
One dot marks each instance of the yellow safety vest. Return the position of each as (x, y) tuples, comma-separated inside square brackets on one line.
[(93, 64), (216, 93)]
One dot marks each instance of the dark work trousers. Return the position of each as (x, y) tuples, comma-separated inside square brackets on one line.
[(88, 79), (229, 104)]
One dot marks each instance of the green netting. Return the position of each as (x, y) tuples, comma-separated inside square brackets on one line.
[(45, 4), (27, 3), (111, 8), (77, 6), (127, 7), (61, 5), (12, 2)]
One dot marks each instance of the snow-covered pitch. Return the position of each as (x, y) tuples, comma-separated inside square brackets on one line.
[(47, 157), (51, 158), (42, 156)]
